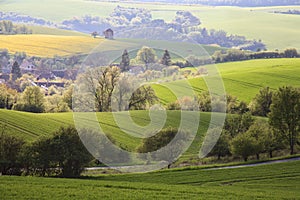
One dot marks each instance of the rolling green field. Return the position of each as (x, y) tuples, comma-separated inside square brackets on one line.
[(276, 30), (44, 124), (276, 181), (241, 79)]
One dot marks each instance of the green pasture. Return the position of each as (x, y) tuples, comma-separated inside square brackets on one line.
[(276, 181), (31, 126), (241, 79)]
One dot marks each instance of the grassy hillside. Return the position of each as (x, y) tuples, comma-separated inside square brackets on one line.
[(242, 79), (17, 123), (276, 181), (277, 31), (42, 30)]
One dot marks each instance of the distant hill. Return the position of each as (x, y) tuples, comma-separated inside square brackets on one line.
[(241, 3)]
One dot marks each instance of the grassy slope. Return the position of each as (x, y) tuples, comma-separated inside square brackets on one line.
[(41, 30), (44, 124), (276, 181), (276, 30), (242, 79)]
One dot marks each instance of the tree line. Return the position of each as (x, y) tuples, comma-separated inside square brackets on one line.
[(8, 28), (233, 55)]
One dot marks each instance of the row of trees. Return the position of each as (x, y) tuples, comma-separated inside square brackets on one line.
[(236, 55), (204, 102)]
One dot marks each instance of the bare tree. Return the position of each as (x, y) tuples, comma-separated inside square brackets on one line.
[(101, 82)]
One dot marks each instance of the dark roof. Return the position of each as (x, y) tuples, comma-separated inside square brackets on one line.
[(109, 30)]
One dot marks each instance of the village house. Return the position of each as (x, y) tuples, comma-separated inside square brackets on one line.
[(27, 67), (109, 34)]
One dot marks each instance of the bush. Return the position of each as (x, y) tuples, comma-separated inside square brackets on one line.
[(244, 145), (222, 147), (62, 154), (10, 148), (157, 144)]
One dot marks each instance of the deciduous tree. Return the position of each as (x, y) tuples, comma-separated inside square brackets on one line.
[(146, 55), (261, 103), (285, 114), (142, 97)]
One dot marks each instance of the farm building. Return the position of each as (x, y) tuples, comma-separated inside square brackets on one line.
[(109, 34)]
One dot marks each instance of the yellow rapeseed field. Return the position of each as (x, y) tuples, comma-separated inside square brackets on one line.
[(49, 45)]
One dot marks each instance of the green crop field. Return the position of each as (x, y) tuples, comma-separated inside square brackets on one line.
[(241, 79), (17, 123), (276, 181), (276, 30)]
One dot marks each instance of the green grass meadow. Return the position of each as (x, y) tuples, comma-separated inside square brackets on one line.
[(241, 79), (276, 181), (17, 123)]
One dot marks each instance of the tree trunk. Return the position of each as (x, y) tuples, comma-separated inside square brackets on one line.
[(292, 149), (271, 154), (257, 156), (245, 159)]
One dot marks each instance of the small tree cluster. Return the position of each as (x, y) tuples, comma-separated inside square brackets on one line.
[(247, 137), (61, 154)]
